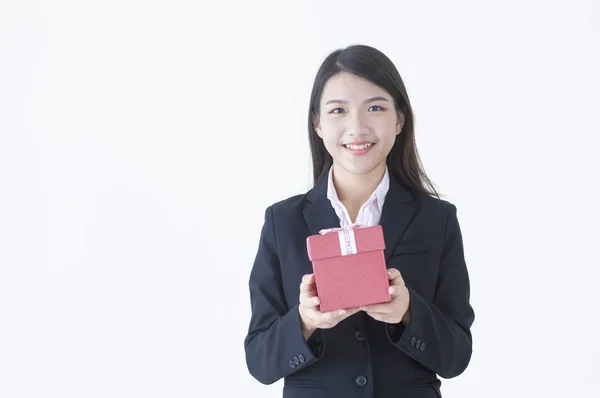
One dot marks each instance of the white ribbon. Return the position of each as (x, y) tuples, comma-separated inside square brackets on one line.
[(346, 237), (347, 242)]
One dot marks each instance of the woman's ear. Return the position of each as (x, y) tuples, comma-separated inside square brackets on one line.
[(317, 126), (399, 123)]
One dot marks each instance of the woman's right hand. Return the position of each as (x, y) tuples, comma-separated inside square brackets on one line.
[(311, 316)]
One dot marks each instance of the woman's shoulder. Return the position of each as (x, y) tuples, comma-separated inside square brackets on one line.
[(288, 206), (286, 212), (433, 204)]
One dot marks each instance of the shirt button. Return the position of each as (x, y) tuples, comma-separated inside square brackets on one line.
[(360, 380), (358, 335), (413, 340)]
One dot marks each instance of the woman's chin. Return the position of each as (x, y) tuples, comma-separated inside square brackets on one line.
[(359, 168)]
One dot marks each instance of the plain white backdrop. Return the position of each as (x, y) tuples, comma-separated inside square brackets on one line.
[(140, 142)]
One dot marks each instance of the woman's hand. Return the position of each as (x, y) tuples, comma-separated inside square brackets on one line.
[(397, 310), (310, 315)]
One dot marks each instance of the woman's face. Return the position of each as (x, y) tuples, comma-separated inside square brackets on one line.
[(358, 123)]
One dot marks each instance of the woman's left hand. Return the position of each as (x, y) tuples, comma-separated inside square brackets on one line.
[(397, 310)]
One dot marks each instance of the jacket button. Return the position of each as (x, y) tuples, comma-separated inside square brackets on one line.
[(413, 340), (297, 360), (358, 335), (418, 343), (422, 345), (360, 380), (292, 364), (301, 357)]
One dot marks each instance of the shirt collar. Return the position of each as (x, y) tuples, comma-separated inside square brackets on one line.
[(378, 194)]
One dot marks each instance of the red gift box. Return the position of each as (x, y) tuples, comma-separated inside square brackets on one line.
[(349, 267)]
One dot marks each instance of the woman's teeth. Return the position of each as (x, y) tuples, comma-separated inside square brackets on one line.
[(358, 147)]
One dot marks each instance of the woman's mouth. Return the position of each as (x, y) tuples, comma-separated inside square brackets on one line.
[(359, 148)]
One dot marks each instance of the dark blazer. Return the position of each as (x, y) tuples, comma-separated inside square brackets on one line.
[(362, 357)]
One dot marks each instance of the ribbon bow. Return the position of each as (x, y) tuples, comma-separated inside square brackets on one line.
[(346, 238), (346, 228)]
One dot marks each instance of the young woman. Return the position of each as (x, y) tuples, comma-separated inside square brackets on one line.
[(367, 171)]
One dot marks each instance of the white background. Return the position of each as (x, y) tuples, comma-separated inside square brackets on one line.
[(140, 142)]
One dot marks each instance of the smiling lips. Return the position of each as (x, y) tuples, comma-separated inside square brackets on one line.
[(358, 148)]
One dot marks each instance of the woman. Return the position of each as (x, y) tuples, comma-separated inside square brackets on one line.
[(366, 171)]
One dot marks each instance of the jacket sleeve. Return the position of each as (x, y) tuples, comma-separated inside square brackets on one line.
[(438, 333), (275, 346)]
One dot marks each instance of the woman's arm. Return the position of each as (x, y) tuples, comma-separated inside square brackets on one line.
[(437, 334), (275, 345)]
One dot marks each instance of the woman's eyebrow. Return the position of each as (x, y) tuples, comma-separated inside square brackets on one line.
[(337, 101)]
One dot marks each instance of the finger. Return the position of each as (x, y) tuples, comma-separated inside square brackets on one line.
[(323, 319), (395, 290), (308, 280), (309, 302), (350, 312), (311, 289), (308, 288), (310, 292), (335, 316), (308, 298), (393, 274)]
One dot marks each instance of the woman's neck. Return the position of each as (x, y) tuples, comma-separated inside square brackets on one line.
[(353, 189)]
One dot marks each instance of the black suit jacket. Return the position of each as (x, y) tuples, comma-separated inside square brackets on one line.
[(362, 357)]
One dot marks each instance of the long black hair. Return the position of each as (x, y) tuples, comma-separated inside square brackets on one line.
[(369, 63)]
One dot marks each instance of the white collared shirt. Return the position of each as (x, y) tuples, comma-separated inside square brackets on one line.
[(370, 211)]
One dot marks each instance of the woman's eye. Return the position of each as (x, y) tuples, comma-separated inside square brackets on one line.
[(371, 109)]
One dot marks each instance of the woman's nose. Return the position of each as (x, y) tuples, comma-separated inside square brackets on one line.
[(357, 124)]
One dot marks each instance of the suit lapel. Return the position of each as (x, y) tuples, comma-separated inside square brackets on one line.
[(397, 213), (319, 214)]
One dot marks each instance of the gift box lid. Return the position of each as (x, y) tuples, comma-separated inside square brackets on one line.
[(344, 241)]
